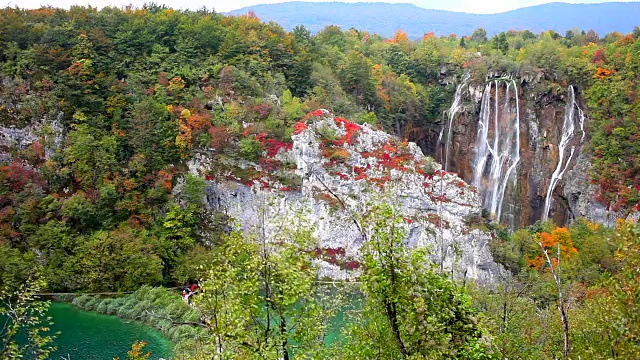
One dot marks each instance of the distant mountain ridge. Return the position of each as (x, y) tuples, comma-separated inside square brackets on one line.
[(385, 18)]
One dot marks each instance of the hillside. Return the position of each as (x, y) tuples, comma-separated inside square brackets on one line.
[(163, 147), (385, 19)]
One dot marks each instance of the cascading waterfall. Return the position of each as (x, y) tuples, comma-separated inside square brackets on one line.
[(497, 145), (572, 113), (455, 108)]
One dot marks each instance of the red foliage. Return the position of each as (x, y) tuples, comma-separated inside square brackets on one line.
[(439, 198), (262, 110), (219, 135), (351, 129), (16, 176), (341, 175), (599, 57), (352, 265), (436, 220), (360, 172), (274, 146), (162, 79), (262, 137), (335, 256), (339, 251), (299, 127), (264, 184), (38, 149)]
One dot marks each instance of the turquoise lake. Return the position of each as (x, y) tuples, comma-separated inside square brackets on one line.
[(92, 336)]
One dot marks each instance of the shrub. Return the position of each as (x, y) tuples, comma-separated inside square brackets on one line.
[(250, 149), (81, 300), (104, 305)]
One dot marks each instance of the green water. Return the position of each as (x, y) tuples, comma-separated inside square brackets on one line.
[(87, 335)]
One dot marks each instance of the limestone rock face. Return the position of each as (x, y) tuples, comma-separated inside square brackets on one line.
[(12, 137), (342, 171), (579, 194)]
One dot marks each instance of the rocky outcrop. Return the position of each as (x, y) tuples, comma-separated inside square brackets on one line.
[(13, 138), (343, 170)]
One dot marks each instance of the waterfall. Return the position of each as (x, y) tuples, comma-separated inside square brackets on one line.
[(568, 129), (497, 146), (455, 108)]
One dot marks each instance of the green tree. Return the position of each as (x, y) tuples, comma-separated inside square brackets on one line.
[(425, 314), (499, 42), (260, 297), (91, 154), (611, 321), (479, 36), (357, 80), (119, 260), (22, 312)]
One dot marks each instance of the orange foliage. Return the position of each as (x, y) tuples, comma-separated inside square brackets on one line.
[(388, 147), (429, 35), (164, 177), (626, 40), (198, 121), (559, 237), (251, 15), (399, 37), (602, 73)]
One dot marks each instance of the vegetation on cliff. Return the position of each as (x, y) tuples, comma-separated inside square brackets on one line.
[(100, 111)]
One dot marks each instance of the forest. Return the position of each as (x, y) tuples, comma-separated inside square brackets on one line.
[(102, 111)]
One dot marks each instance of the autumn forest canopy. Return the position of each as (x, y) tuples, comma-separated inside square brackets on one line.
[(102, 111)]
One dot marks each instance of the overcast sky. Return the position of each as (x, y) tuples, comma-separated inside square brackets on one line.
[(474, 6)]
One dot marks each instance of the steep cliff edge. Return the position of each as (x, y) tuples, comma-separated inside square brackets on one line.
[(333, 173), (522, 140)]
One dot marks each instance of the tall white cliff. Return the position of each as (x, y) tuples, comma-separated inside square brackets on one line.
[(342, 179)]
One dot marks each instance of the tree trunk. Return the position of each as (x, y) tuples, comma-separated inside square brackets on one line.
[(392, 315)]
